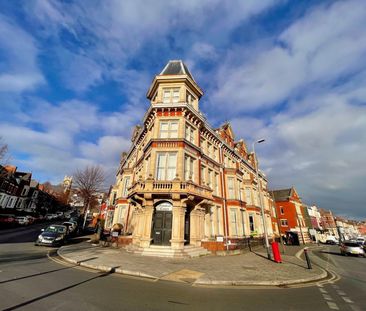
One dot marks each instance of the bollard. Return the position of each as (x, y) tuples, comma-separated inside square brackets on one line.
[(307, 258)]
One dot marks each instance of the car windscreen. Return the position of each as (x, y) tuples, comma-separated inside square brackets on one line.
[(55, 229), (351, 244)]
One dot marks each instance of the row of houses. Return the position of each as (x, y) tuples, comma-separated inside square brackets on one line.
[(311, 223), (20, 194)]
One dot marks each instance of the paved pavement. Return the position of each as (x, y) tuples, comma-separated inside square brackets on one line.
[(246, 269)]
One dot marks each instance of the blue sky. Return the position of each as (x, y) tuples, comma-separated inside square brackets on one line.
[(74, 75)]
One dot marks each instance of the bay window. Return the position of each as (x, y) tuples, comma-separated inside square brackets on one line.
[(169, 129), (166, 166)]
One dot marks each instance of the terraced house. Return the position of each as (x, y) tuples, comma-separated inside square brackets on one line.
[(184, 183)]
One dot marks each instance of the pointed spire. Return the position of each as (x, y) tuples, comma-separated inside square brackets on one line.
[(176, 67)]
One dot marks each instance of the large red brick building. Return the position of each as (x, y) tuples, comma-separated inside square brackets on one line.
[(290, 214)]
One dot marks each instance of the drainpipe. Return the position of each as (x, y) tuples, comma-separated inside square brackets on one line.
[(226, 229)]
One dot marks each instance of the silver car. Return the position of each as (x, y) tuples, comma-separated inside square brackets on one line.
[(351, 248)]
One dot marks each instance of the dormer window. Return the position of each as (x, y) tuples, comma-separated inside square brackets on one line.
[(171, 95)]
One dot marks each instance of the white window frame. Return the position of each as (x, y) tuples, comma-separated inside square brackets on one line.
[(170, 133), (166, 169), (189, 163), (231, 188), (173, 95), (242, 212), (234, 221), (189, 133), (126, 184)]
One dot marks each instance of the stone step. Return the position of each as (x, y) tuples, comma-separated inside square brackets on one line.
[(189, 251)]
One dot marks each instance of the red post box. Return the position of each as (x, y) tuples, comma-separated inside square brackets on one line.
[(276, 252)]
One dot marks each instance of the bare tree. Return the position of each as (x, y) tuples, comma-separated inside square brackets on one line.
[(3, 158), (89, 181), (3, 151)]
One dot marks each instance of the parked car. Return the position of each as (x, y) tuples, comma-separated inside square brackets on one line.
[(331, 239), (361, 240), (351, 248), (50, 216), (53, 235), (71, 226), (31, 219), (22, 220), (7, 220)]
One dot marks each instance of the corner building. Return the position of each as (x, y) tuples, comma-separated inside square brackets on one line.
[(182, 182)]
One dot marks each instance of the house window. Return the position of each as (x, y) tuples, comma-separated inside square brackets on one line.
[(203, 145), (209, 149), (282, 211), (166, 166), (170, 95), (231, 188), (216, 187), (189, 98), (121, 212), (234, 224), (218, 219), (188, 168), (210, 178), (203, 177), (126, 184), (169, 129), (214, 154), (242, 212), (251, 223), (284, 223), (114, 198), (189, 134)]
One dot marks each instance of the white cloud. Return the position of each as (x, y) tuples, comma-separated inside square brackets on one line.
[(19, 69), (110, 33), (324, 46)]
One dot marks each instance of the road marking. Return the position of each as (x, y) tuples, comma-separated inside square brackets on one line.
[(355, 308), (322, 290), (335, 286), (346, 299), (332, 305), (327, 297), (340, 292)]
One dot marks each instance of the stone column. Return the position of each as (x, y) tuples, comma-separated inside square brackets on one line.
[(179, 211), (195, 228), (146, 223), (201, 224), (137, 231)]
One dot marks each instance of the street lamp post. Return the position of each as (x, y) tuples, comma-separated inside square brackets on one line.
[(260, 198)]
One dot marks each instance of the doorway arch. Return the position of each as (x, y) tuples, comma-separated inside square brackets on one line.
[(162, 223)]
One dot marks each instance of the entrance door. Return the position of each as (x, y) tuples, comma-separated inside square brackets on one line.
[(162, 231), (187, 231)]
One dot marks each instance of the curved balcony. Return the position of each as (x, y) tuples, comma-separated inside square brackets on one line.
[(170, 187)]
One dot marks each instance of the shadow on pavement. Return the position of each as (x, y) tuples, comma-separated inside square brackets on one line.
[(36, 274), (60, 290)]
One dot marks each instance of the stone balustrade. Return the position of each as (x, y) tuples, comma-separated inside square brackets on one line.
[(174, 186)]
